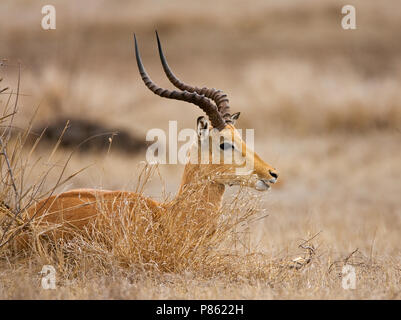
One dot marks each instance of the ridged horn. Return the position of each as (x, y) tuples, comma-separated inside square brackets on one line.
[(201, 101), (218, 96)]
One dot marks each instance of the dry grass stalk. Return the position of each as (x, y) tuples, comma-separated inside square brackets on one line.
[(15, 165), (180, 240)]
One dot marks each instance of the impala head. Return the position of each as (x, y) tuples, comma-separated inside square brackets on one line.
[(217, 136)]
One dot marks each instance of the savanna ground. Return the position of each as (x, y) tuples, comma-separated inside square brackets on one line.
[(325, 104)]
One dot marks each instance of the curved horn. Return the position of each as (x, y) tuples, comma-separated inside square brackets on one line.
[(218, 96), (205, 104)]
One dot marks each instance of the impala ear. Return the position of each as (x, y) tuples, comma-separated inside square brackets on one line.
[(235, 117), (202, 127)]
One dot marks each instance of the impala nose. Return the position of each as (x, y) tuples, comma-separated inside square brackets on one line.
[(274, 174)]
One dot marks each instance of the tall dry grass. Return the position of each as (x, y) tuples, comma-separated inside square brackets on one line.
[(17, 165), (129, 238)]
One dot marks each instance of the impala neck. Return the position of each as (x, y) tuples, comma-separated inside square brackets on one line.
[(196, 187)]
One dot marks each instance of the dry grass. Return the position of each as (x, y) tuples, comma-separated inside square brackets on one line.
[(326, 108)]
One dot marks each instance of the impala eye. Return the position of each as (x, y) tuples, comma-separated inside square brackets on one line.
[(226, 146)]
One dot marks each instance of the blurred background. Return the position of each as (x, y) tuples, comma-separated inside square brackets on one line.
[(325, 102)]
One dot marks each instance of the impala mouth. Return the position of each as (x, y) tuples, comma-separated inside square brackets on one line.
[(252, 181), (263, 184)]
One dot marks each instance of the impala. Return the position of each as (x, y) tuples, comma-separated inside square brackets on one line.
[(77, 208)]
